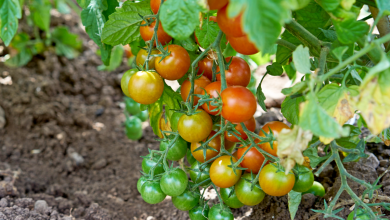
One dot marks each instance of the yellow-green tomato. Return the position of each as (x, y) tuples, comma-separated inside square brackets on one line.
[(125, 81), (146, 87)]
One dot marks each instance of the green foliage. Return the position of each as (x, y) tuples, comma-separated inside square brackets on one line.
[(294, 199), (208, 33), (40, 13), (116, 59), (10, 12), (290, 109), (67, 44)]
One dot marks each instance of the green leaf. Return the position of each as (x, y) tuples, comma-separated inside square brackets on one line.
[(188, 44), (111, 6), (180, 18), (229, 51), (361, 146), (329, 34), (20, 59), (10, 11), (207, 35), (67, 44), (20, 41), (314, 118), (301, 58), (40, 12), (290, 71), (136, 46), (171, 100), (352, 139), (122, 26), (290, 109), (155, 112), (347, 4), (62, 7), (116, 59), (383, 6), (294, 199), (298, 4), (350, 30), (275, 69), (312, 154), (339, 52), (297, 88), (329, 5), (260, 97)]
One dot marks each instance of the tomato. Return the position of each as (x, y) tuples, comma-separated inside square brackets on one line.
[(155, 5), (148, 31), (198, 88), (140, 182), (206, 67), (151, 192), (316, 189), (214, 90), (174, 182), (195, 128), (213, 18), (222, 175), (199, 212), (132, 107), (239, 104), (243, 45), (275, 183), (276, 127), (360, 215), (238, 74), (144, 115), (163, 126), (190, 158), (230, 26), (186, 201), (175, 119), (303, 179), (218, 213), (175, 65), (245, 194), (128, 52), (214, 143), (146, 87), (250, 125), (133, 128), (125, 81), (229, 145), (177, 151), (231, 201), (253, 160), (202, 176), (148, 163), (141, 57), (216, 4)]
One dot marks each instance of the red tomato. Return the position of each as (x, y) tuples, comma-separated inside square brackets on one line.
[(128, 52), (214, 143), (146, 87), (230, 26), (213, 18), (243, 45), (252, 160), (276, 127), (214, 90), (216, 4), (175, 65), (275, 183), (250, 125), (239, 104), (200, 84), (238, 74), (222, 175), (206, 67), (147, 33), (155, 5)]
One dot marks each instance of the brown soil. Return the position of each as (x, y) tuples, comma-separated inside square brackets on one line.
[(63, 142)]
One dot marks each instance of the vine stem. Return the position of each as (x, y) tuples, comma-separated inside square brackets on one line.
[(322, 62), (286, 44), (154, 38)]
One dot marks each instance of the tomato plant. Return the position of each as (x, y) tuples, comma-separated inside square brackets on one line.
[(238, 97), (198, 173), (141, 57), (304, 179), (146, 87), (229, 197), (214, 90), (174, 182), (155, 5), (230, 26), (147, 32), (214, 143), (148, 163), (243, 45), (360, 215), (175, 65), (206, 67), (199, 85), (194, 128), (151, 192), (253, 159), (275, 183), (177, 149), (199, 213), (186, 201), (222, 175), (133, 128), (245, 194), (249, 124), (125, 81), (238, 74), (316, 189), (218, 212), (276, 127)]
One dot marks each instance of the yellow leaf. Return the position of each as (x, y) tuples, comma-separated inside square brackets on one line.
[(291, 144)]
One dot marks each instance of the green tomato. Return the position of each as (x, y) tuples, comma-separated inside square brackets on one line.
[(125, 81), (218, 213), (360, 215), (140, 182), (199, 212), (194, 174), (174, 182), (317, 189), (186, 201), (231, 201), (151, 192), (175, 119), (191, 159), (148, 163), (132, 107), (177, 151), (133, 127), (303, 180), (245, 194), (144, 115)]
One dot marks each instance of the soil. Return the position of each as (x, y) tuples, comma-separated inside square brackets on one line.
[(64, 154)]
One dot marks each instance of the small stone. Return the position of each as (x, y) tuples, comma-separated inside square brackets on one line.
[(386, 153), (3, 202), (384, 163), (371, 160), (41, 206), (99, 164)]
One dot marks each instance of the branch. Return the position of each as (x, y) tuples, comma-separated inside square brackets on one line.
[(383, 24)]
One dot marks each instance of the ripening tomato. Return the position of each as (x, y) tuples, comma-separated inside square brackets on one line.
[(250, 125), (276, 127), (218, 213), (222, 175), (252, 160), (196, 127), (316, 189), (239, 104), (146, 87), (229, 145), (155, 5), (232, 200), (230, 26), (206, 67), (141, 57), (200, 84), (275, 183), (238, 74), (151, 192), (175, 65), (214, 143), (163, 126), (174, 182), (303, 179), (243, 45), (214, 90), (128, 52), (216, 4), (246, 194), (125, 81), (148, 31)]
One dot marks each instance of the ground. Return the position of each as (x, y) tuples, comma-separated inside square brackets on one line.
[(64, 154)]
